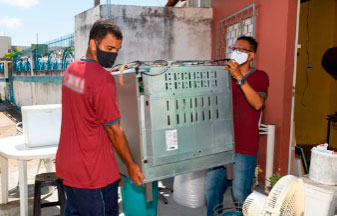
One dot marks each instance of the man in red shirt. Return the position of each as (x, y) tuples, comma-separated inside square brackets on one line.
[(249, 89), (90, 129)]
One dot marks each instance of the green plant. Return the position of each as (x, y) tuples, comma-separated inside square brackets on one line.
[(275, 177), (11, 53)]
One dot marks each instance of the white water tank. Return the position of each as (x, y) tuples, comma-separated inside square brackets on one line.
[(323, 166), (41, 124)]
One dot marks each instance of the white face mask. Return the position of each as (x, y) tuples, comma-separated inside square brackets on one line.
[(239, 58)]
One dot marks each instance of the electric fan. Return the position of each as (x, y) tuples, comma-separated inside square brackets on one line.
[(285, 199)]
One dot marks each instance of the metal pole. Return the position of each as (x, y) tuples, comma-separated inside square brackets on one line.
[(293, 90)]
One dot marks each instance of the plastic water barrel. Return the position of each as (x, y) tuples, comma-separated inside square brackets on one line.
[(133, 200), (189, 189)]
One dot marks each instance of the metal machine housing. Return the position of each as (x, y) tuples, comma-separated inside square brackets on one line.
[(177, 119)]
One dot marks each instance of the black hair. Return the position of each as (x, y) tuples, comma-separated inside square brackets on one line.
[(104, 26), (252, 42)]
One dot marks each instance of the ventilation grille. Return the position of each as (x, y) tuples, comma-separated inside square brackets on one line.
[(187, 95), (193, 110), (190, 80)]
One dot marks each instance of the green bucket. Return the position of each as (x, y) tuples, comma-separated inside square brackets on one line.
[(133, 200)]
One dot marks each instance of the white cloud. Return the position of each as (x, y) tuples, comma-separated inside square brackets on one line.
[(11, 23), (20, 3)]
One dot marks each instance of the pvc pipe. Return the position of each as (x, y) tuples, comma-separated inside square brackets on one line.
[(270, 153)]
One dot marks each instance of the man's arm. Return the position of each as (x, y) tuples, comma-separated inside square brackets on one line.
[(254, 99), (119, 142)]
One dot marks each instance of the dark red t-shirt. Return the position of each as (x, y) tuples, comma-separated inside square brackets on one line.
[(85, 156), (246, 118)]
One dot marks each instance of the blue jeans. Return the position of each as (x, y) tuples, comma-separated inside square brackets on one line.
[(216, 182), (92, 202)]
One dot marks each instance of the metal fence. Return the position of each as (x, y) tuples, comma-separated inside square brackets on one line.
[(56, 54)]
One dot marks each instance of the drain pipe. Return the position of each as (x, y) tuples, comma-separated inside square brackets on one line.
[(269, 130)]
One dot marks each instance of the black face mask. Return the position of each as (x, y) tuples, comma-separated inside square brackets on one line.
[(106, 59)]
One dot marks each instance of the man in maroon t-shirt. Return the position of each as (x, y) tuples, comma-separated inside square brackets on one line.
[(249, 89), (90, 129)]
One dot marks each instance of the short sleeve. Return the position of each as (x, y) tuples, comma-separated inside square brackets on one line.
[(261, 85), (107, 110)]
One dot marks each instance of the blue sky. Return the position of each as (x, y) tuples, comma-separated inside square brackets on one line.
[(23, 20)]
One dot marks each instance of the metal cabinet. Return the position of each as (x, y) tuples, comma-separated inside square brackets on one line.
[(177, 119)]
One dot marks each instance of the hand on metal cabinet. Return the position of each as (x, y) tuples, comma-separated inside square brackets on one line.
[(136, 174), (119, 142)]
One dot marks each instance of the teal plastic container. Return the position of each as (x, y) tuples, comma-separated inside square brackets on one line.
[(133, 200)]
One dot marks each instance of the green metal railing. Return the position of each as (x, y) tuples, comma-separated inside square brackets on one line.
[(56, 54)]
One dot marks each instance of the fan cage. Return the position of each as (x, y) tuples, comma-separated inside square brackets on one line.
[(277, 192), (288, 206), (248, 203), (281, 189)]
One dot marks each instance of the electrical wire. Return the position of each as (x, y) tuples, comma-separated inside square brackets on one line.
[(168, 64), (186, 63), (308, 55), (162, 72)]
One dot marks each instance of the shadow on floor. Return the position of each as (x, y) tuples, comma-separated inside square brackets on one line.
[(15, 192), (10, 111)]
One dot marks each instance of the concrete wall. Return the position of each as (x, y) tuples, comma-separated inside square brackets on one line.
[(275, 32), (83, 23), (5, 45), (315, 89), (42, 88), (152, 33), (2, 89)]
